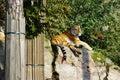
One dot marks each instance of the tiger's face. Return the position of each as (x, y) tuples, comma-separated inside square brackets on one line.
[(76, 31)]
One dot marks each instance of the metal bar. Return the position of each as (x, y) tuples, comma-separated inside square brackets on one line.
[(15, 33), (34, 64)]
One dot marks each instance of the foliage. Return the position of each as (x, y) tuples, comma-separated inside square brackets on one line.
[(32, 14), (2, 11), (98, 57), (57, 19), (115, 56), (94, 16)]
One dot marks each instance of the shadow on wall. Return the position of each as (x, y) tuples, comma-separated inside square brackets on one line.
[(85, 64)]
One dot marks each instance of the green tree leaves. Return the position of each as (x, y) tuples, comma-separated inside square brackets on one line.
[(56, 12), (2, 12), (32, 14)]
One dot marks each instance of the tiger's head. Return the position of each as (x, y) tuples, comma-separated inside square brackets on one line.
[(76, 30)]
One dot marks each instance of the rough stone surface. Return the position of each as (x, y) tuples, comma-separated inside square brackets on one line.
[(77, 68)]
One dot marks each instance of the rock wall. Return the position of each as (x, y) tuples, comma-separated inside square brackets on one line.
[(80, 67)]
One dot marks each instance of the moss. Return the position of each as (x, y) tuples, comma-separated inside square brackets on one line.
[(47, 47), (98, 57)]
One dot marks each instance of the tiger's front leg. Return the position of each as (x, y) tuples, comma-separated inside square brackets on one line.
[(81, 43), (72, 47)]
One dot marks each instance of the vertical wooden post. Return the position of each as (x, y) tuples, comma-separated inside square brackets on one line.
[(42, 20), (41, 58), (15, 41)]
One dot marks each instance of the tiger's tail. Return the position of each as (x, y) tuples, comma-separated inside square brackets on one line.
[(64, 53)]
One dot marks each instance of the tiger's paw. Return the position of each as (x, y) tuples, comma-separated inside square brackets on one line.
[(78, 46), (90, 49), (79, 51)]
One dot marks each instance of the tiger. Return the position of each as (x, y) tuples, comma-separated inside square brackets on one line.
[(69, 39)]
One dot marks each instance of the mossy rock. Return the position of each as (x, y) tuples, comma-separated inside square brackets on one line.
[(98, 57)]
